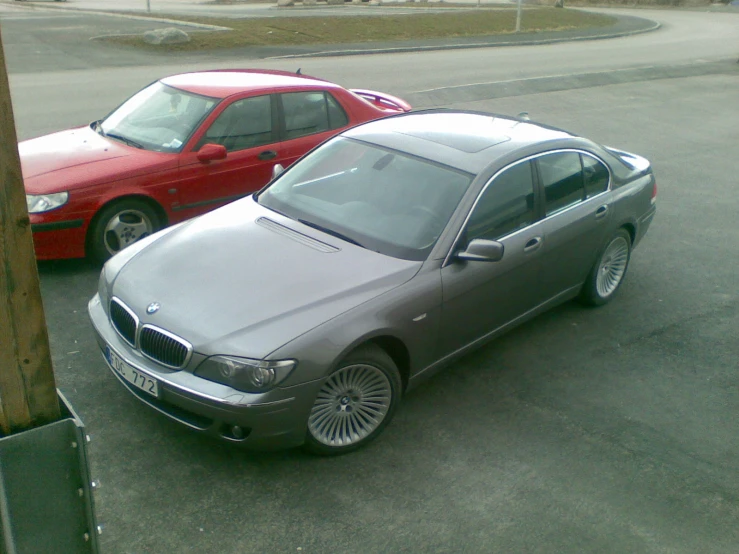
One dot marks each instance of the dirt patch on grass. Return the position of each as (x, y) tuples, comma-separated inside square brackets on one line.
[(374, 28)]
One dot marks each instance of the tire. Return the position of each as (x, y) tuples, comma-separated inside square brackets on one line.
[(609, 270), (366, 384), (119, 225)]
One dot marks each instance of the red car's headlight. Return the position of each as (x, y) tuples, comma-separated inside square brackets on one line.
[(41, 203)]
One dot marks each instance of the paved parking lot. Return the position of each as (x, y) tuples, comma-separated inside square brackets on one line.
[(606, 430)]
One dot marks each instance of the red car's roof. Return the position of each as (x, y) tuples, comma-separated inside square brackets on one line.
[(223, 83)]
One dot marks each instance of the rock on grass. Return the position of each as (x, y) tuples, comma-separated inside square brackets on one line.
[(170, 35)]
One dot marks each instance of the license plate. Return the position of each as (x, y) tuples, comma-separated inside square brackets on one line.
[(137, 378)]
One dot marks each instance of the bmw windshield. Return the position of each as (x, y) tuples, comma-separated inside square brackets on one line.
[(159, 118), (380, 199)]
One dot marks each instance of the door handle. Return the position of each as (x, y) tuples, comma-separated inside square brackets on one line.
[(267, 155), (532, 244), (601, 211)]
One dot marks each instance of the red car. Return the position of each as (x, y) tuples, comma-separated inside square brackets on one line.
[(180, 147)]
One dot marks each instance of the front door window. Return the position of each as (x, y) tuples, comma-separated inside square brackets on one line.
[(244, 124), (506, 205)]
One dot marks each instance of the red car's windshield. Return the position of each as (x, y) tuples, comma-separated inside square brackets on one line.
[(159, 118)]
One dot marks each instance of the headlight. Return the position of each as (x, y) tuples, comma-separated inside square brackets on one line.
[(244, 374), (44, 202)]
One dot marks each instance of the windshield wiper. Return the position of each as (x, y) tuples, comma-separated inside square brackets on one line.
[(329, 231), (123, 139)]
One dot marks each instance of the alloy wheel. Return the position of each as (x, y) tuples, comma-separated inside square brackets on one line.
[(612, 267), (350, 406), (125, 228)]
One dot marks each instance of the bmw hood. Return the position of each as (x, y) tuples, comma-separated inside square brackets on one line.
[(243, 280)]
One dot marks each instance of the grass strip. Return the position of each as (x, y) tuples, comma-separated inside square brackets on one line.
[(286, 31)]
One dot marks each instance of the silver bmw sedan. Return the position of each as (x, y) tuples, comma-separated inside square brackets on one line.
[(302, 314)]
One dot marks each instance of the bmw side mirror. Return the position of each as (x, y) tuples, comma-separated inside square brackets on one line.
[(276, 170), (210, 152), (481, 250)]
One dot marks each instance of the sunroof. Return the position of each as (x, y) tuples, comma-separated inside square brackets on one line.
[(464, 142)]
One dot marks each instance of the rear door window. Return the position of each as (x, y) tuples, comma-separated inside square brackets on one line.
[(596, 176), (308, 113), (562, 179)]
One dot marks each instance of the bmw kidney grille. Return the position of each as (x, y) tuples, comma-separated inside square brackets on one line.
[(154, 343)]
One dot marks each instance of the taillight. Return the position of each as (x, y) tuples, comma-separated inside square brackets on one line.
[(654, 190)]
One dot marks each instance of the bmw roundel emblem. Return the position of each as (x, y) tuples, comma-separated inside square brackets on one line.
[(153, 308)]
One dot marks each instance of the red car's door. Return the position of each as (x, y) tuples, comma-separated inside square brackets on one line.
[(258, 132), (248, 130), (308, 118)]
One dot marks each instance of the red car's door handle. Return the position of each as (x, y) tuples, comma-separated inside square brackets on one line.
[(267, 155)]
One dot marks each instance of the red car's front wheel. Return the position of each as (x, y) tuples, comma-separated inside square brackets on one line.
[(119, 225)]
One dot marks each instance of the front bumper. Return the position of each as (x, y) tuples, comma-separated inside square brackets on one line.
[(272, 420), (55, 238)]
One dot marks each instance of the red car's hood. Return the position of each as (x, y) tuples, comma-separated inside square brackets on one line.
[(66, 149), (81, 157)]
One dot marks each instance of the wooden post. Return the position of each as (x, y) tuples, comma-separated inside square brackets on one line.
[(28, 395)]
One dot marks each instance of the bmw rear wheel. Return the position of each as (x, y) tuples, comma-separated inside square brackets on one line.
[(609, 271), (355, 403)]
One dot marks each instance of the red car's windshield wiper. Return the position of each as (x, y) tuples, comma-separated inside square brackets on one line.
[(122, 139), (329, 231)]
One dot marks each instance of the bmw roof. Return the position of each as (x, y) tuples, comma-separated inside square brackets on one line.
[(467, 140)]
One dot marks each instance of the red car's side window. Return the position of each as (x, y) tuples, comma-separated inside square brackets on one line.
[(244, 124), (308, 113)]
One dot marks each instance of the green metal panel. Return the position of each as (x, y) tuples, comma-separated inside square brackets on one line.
[(46, 502)]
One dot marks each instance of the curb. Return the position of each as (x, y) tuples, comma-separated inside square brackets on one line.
[(402, 49)]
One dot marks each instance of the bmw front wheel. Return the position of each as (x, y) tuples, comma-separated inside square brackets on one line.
[(355, 403)]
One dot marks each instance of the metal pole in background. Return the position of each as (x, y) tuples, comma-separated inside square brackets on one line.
[(518, 17), (148, 6)]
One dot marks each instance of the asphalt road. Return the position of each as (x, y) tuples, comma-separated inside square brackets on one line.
[(606, 430), (428, 78)]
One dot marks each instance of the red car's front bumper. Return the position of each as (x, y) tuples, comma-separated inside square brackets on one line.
[(56, 237)]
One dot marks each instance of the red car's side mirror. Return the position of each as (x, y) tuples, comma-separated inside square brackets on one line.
[(209, 152)]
